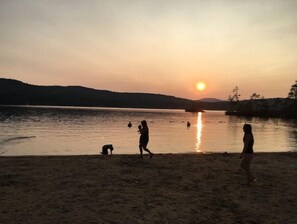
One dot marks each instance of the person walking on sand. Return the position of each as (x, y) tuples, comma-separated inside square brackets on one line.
[(144, 139), (247, 152)]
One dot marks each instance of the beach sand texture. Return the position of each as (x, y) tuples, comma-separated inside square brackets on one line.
[(179, 188)]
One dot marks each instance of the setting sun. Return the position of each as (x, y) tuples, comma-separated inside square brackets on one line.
[(200, 86)]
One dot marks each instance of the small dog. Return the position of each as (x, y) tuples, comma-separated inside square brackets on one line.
[(105, 149)]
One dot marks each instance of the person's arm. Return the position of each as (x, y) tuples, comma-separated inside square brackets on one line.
[(143, 130)]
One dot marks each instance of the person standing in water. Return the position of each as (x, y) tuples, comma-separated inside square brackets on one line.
[(144, 139), (247, 152)]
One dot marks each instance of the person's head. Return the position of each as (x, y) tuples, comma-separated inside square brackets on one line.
[(143, 123), (139, 126), (247, 128)]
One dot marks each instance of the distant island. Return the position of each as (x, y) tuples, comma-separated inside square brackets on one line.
[(274, 107), (15, 92), (258, 106)]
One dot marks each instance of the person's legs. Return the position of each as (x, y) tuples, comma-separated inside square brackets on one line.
[(251, 177), (247, 171), (147, 150), (245, 164), (140, 150), (144, 147)]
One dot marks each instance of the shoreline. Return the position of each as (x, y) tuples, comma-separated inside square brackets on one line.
[(169, 188), (156, 154)]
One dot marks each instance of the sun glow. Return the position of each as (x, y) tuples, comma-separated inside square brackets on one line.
[(200, 86)]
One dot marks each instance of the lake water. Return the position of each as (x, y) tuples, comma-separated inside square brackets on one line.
[(81, 131)]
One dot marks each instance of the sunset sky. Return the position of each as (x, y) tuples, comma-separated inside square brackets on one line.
[(153, 46)]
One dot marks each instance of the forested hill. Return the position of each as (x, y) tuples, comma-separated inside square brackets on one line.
[(14, 92)]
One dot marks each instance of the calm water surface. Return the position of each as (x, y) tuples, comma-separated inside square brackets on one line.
[(80, 131)]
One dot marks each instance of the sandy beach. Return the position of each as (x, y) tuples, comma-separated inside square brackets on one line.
[(171, 188)]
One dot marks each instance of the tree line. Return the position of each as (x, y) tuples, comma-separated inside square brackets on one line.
[(14, 92), (257, 105)]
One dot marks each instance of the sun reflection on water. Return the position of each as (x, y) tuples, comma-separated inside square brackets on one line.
[(199, 131)]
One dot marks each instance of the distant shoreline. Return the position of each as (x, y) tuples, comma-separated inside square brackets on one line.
[(19, 93), (89, 107), (137, 155)]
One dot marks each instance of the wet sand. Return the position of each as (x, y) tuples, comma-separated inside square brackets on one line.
[(180, 188)]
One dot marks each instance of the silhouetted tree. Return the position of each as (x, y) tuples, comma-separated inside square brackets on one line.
[(293, 91), (255, 100), (255, 96), (234, 98)]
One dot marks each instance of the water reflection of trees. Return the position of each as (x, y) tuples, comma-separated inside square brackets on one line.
[(34, 113), (293, 133)]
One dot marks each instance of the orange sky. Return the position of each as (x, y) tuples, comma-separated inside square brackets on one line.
[(158, 46)]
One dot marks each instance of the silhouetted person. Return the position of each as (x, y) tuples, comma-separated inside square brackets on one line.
[(105, 149), (144, 139), (188, 124), (247, 152), (129, 124)]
